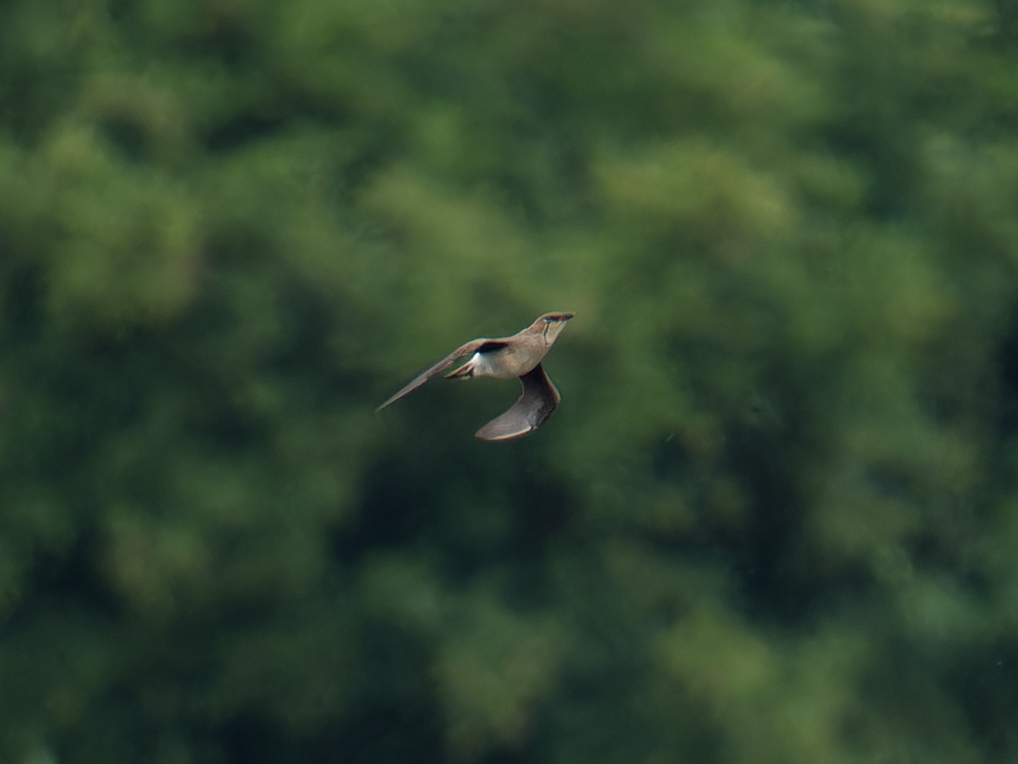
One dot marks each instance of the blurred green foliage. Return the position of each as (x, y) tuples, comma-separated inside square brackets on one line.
[(775, 518)]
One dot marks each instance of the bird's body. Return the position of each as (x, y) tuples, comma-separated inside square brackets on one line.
[(491, 364), (520, 356)]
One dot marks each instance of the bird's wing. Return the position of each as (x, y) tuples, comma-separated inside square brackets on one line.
[(462, 351), (533, 407)]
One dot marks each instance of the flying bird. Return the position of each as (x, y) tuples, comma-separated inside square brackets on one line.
[(516, 356)]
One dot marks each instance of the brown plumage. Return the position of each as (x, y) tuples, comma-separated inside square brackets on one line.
[(517, 356)]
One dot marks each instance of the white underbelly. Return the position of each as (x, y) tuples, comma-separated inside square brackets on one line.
[(492, 365)]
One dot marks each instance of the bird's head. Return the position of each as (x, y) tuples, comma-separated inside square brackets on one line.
[(550, 325)]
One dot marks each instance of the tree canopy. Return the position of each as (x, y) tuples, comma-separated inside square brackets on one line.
[(774, 519)]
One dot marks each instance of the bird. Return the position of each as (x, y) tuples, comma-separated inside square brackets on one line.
[(518, 355)]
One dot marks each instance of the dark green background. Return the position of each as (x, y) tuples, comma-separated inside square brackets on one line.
[(774, 520)]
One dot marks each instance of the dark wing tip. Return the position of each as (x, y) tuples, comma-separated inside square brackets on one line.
[(507, 426)]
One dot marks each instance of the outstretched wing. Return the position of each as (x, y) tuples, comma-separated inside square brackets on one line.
[(533, 407), (461, 352)]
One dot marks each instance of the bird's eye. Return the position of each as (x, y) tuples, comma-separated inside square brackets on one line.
[(548, 319)]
